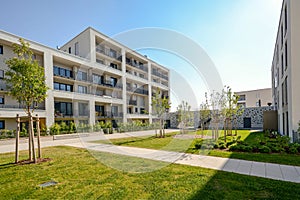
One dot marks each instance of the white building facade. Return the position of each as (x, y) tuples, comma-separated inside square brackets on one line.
[(286, 69), (91, 78)]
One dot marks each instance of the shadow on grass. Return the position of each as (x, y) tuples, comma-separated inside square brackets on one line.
[(7, 165)]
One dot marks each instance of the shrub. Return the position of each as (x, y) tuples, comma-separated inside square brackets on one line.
[(55, 129), (234, 148), (230, 143), (264, 149), (247, 149), (222, 146), (198, 145)]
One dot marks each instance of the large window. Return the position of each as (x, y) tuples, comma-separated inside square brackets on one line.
[(64, 87), (82, 89), (1, 74), (83, 109), (82, 76), (58, 71), (63, 108), (2, 124), (1, 49), (100, 110)]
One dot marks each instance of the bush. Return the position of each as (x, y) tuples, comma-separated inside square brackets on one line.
[(234, 148), (230, 143), (198, 145), (222, 146), (264, 149), (55, 129)]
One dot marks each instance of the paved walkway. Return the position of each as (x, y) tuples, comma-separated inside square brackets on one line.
[(8, 145), (259, 169)]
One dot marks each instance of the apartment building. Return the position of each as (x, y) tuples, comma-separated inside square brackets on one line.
[(91, 78), (286, 69), (255, 98)]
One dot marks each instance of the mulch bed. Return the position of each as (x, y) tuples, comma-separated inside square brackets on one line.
[(38, 160)]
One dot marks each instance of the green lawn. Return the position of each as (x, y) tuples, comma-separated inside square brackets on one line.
[(81, 176), (170, 143)]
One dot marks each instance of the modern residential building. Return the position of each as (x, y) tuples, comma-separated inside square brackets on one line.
[(255, 98), (286, 69), (91, 78)]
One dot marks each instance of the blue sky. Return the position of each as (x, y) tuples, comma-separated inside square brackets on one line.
[(238, 35)]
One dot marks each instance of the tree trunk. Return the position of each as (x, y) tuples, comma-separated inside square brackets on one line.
[(38, 136), (32, 137), (17, 139)]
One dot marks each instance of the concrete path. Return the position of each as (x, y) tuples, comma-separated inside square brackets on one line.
[(8, 145), (259, 169)]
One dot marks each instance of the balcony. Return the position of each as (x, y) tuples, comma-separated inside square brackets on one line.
[(132, 102), (156, 73), (137, 90), (109, 52), (137, 65), (107, 114), (21, 107)]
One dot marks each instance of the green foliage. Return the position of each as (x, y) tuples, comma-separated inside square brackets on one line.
[(264, 149), (55, 129), (25, 78)]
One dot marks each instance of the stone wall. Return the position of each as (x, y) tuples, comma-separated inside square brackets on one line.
[(255, 114)]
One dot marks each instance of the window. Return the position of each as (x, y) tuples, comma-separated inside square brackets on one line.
[(114, 110), (113, 65), (100, 61), (70, 50), (76, 48), (82, 76), (286, 90), (82, 89), (1, 49), (1, 74), (136, 110), (64, 87), (97, 79), (113, 81), (63, 108), (142, 110), (282, 36), (287, 124), (286, 55), (285, 19), (113, 53), (283, 124), (282, 65), (83, 109), (282, 93), (1, 100), (99, 109), (2, 124)]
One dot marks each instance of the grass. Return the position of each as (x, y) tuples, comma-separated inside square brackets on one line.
[(169, 143), (82, 176)]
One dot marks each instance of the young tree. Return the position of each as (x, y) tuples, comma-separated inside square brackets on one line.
[(185, 116), (231, 110), (204, 114), (160, 106), (25, 81), (217, 104)]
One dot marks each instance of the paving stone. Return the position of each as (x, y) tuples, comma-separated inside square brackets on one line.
[(290, 173), (231, 165), (273, 171), (244, 167), (258, 169)]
